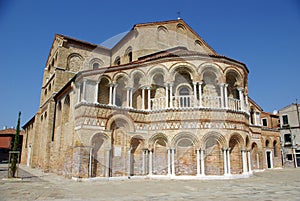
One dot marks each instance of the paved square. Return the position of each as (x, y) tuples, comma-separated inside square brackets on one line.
[(279, 184)]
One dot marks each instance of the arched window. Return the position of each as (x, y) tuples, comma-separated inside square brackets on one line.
[(184, 96), (184, 91), (121, 92), (128, 55), (181, 35), (267, 143), (162, 36), (252, 116), (103, 92), (96, 63), (232, 80), (198, 45), (95, 66), (117, 61)]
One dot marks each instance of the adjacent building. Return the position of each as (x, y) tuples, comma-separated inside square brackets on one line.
[(160, 103), (290, 135), (7, 137)]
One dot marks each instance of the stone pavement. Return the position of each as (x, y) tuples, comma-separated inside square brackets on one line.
[(279, 184)]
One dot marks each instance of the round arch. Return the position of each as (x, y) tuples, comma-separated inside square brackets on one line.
[(160, 69), (267, 142), (137, 146), (136, 72), (120, 120), (100, 143), (213, 135), (237, 74), (119, 75), (94, 61), (212, 145), (74, 62), (189, 136), (186, 145), (153, 139), (212, 67), (255, 156), (236, 145), (184, 66), (104, 77), (236, 138), (96, 136)]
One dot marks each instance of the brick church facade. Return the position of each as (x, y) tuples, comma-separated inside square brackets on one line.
[(159, 103)]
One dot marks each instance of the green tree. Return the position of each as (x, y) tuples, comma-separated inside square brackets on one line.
[(14, 160)]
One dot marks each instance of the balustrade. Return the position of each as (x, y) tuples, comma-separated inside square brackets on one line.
[(234, 104), (158, 103), (211, 101)]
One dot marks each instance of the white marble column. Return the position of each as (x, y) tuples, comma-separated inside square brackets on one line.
[(241, 96), (198, 162), (254, 118), (143, 98), (202, 162), (171, 95), (257, 160), (130, 97), (169, 162), (149, 99), (195, 94), (143, 162), (222, 94), (173, 161), (146, 162), (247, 104), (96, 92), (225, 161), (83, 91), (107, 168), (167, 95), (249, 162), (127, 97), (226, 96), (129, 162), (111, 94), (90, 161), (271, 159), (150, 162), (200, 94), (114, 94), (228, 161), (244, 159), (79, 93)]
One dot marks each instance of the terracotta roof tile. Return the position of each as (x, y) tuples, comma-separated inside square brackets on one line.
[(10, 131)]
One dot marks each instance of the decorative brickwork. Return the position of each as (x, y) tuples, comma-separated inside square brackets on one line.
[(139, 110)]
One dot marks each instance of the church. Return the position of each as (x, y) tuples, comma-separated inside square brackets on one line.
[(159, 103)]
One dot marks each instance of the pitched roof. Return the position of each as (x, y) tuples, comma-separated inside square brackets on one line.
[(9, 131), (181, 52), (176, 21)]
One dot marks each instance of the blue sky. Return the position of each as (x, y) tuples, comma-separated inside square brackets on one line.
[(265, 35)]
